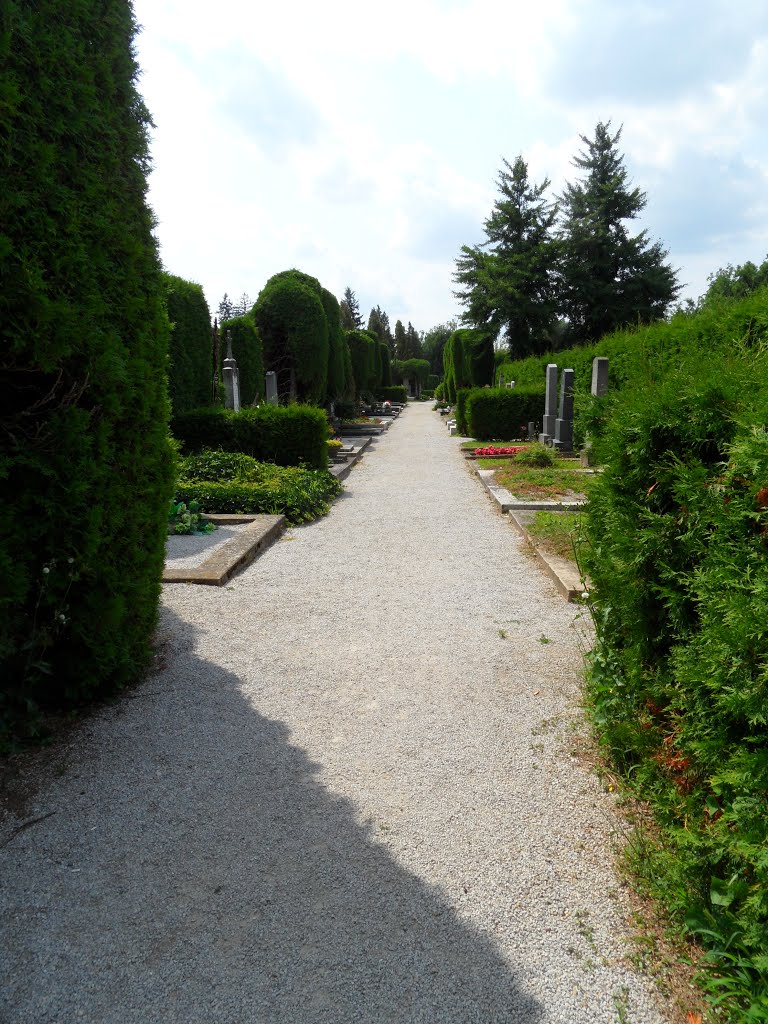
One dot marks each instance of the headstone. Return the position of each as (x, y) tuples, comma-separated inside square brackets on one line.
[(563, 439), (550, 405), (271, 387), (599, 376), (531, 430), (231, 378)]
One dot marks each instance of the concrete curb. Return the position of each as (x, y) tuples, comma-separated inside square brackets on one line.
[(235, 554), (564, 572)]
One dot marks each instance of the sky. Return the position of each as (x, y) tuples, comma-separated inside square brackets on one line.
[(362, 143)]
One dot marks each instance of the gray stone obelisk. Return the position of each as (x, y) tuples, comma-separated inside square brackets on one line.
[(271, 388), (599, 376), (231, 378), (564, 423), (550, 405)]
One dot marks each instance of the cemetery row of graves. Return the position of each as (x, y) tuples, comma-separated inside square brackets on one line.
[(671, 423)]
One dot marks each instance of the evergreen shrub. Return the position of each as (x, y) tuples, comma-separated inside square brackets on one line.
[(246, 348), (231, 482), (394, 394), (461, 412), (676, 529), (290, 435), (293, 328), (84, 455), (500, 413), (190, 363)]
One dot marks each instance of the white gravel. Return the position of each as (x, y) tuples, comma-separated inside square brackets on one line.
[(189, 551), (345, 798)]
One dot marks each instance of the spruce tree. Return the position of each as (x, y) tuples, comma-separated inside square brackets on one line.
[(401, 342), (507, 283), (611, 278), (351, 320)]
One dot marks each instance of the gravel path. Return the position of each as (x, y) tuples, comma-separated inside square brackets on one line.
[(346, 797)]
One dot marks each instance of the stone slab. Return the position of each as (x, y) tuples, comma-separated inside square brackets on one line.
[(236, 554), (563, 571)]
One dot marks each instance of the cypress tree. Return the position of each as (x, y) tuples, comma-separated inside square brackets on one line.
[(86, 465)]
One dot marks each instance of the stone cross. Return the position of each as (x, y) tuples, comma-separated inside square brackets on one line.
[(550, 405), (599, 376), (271, 387), (563, 440), (231, 378)]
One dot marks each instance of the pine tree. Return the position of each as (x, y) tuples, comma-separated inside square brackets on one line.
[(401, 342), (610, 277), (351, 320), (412, 342), (226, 309), (378, 324), (508, 282)]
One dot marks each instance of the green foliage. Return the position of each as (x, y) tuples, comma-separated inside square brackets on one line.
[(231, 482), (293, 326), (185, 519), (378, 325), (190, 363), (84, 456), (462, 427), (537, 455), (386, 366), (336, 382), (363, 348), (676, 528), (433, 344), (610, 278), (286, 435), (736, 282), (649, 353), (349, 309), (393, 394), (246, 348), (509, 282), (501, 412), (440, 394)]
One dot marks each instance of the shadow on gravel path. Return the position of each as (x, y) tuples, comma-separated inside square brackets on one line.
[(215, 879)]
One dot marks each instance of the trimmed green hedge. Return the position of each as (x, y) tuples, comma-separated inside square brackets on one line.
[(499, 413), (190, 363), (289, 435), (393, 394), (461, 412), (84, 456), (246, 348), (231, 482), (293, 327), (677, 526)]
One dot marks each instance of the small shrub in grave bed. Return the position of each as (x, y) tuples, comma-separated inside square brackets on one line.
[(184, 520), (537, 455), (677, 528), (286, 435), (230, 482), (501, 412)]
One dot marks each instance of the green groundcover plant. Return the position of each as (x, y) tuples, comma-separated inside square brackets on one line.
[(231, 482)]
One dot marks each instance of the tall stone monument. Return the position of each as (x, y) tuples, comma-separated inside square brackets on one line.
[(550, 405), (599, 376), (563, 439), (231, 378), (271, 387)]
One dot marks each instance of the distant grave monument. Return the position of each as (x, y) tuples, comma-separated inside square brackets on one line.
[(563, 439), (271, 388), (231, 378), (550, 405)]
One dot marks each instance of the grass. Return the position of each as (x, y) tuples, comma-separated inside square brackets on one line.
[(559, 533), (549, 483)]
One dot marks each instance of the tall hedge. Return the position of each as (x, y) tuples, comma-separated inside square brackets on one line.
[(289, 435), (677, 526), (191, 347), (362, 347), (83, 451), (293, 327), (386, 365), (496, 414), (336, 383), (246, 348)]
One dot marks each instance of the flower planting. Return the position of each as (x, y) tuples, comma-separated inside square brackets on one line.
[(491, 451)]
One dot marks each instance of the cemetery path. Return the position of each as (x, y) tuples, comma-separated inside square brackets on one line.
[(348, 794)]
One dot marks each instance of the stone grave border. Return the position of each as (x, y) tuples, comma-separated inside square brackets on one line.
[(565, 573), (509, 503), (236, 554)]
